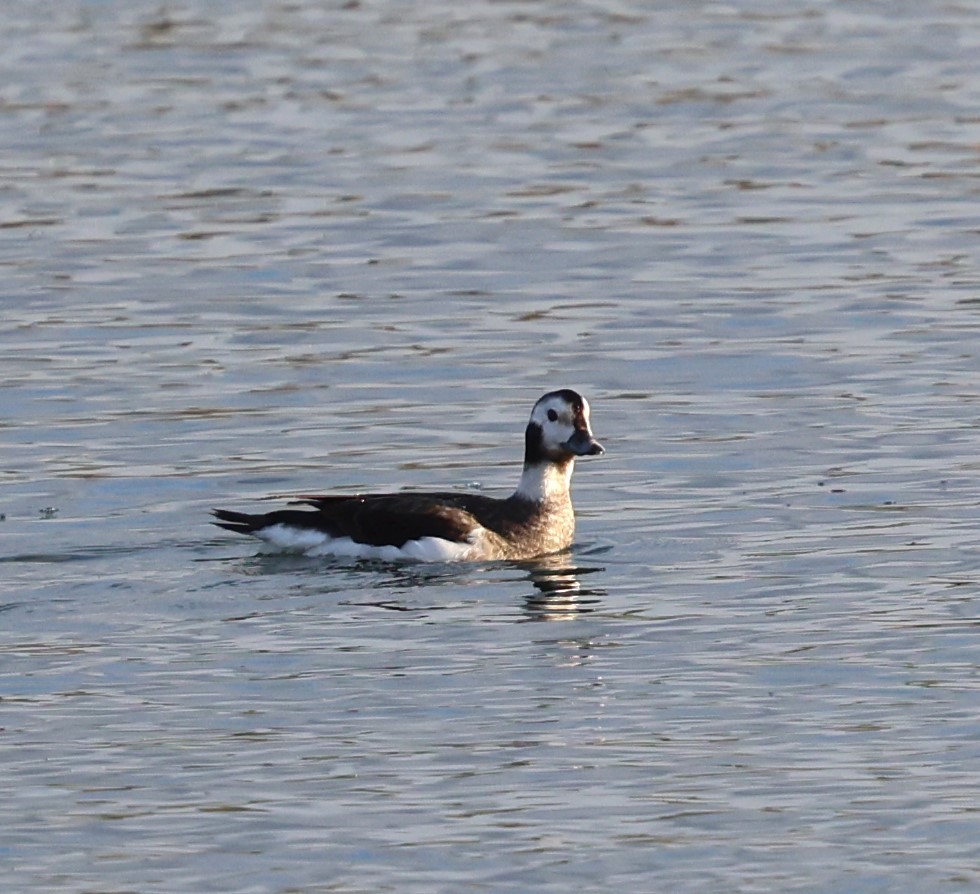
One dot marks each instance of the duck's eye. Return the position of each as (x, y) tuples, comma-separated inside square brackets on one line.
[(552, 416)]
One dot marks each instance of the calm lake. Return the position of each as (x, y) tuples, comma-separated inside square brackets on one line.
[(269, 248)]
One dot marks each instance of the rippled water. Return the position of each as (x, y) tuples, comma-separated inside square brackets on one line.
[(268, 248)]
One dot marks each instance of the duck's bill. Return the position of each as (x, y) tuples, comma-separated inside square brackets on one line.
[(583, 444)]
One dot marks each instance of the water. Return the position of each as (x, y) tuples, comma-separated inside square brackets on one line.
[(269, 248)]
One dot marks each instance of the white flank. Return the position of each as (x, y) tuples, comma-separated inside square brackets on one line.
[(317, 543), (289, 539)]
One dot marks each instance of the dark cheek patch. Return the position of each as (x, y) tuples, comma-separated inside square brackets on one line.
[(533, 446)]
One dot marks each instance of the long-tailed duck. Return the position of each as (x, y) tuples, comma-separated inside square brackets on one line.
[(535, 520)]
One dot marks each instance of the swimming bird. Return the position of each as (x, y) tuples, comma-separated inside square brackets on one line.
[(537, 519)]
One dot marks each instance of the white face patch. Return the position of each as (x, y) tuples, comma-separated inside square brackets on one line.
[(556, 418)]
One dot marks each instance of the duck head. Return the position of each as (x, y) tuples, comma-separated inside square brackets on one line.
[(559, 430)]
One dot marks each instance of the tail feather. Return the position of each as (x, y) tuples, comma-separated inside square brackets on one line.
[(247, 523), (239, 522)]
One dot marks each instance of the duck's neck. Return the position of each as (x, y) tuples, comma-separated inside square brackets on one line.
[(545, 482)]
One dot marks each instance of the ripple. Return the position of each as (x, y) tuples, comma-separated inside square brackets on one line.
[(293, 248)]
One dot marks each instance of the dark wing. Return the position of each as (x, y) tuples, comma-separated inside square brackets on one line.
[(393, 519), (372, 519), (453, 508)]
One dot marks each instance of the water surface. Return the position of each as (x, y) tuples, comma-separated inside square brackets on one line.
[(271, 248)]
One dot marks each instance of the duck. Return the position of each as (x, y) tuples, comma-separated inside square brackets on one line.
[(537, 519)]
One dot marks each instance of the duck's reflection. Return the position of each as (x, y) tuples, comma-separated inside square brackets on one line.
[(560, 594)]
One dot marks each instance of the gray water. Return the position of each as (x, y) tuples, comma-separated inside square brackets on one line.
[(252, 249)]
